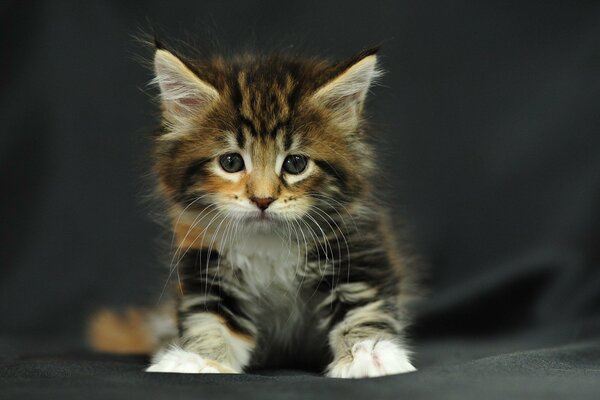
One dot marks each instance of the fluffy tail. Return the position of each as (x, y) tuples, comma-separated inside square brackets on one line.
[(132, 331)]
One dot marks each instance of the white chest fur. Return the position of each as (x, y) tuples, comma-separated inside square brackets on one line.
[(268, 267), (267, 262)]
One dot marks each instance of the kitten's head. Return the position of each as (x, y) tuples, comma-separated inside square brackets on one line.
[(263, 138)]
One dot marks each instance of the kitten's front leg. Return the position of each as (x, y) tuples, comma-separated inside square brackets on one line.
[(215, 334), (367, 342), (208, 344)]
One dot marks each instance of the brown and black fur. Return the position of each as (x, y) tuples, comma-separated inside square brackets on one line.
[(350, 280)]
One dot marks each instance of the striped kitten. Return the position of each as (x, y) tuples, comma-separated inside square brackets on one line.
[(284, 258)]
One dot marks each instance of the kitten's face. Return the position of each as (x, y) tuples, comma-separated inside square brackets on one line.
[(262, 142), (258, 179)]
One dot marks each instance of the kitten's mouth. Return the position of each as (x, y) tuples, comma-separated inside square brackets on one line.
[(262, 220), (261, 216)]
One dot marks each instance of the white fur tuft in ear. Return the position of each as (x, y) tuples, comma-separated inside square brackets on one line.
[(181, 90), (344, 95)]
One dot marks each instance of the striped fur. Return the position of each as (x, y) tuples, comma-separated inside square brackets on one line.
[(313, 281)]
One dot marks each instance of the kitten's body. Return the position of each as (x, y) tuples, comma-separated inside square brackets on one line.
[(283, 255)]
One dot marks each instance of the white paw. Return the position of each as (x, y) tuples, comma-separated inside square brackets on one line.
[(372, 358), (180, 361)]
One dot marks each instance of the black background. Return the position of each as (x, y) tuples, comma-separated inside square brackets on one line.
[(488, 120)]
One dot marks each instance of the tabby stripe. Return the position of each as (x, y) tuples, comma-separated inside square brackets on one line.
[(340, 309), (194, 261), (250, 125), (192, 172), (294, 95), (236, 93), (234, 321), (288, 141), (225, 305), (334, 171), (217, 300), (381, 326), (240, 138)]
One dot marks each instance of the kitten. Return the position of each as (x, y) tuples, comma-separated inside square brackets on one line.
[(284, 257)]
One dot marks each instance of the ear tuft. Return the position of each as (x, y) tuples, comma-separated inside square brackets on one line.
[(158, 45), (345, 94), (365, 53), (182, 92)]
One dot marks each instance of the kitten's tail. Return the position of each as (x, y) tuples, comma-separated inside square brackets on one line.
[(132, 331)]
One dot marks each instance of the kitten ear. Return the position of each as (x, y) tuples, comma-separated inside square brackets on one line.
[(182, 92), (344, 95)]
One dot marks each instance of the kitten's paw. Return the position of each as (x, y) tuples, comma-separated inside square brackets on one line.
[(372, 358), (184, 362)]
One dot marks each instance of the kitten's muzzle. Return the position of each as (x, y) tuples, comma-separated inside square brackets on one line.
[(262, 202)]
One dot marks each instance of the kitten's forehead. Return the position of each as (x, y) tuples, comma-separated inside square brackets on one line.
[(265, 102), (264, 97)]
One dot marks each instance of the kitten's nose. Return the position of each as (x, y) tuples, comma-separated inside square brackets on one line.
[(262, 202)]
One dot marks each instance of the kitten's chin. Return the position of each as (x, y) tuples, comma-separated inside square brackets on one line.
[(262, 222)]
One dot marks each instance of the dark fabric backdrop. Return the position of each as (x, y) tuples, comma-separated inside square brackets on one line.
[(488, 119)]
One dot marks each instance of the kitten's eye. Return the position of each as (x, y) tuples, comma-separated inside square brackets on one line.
[(295, 164), (231, 162)]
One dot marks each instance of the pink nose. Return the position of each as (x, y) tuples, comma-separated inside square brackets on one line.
[(262, 202)]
